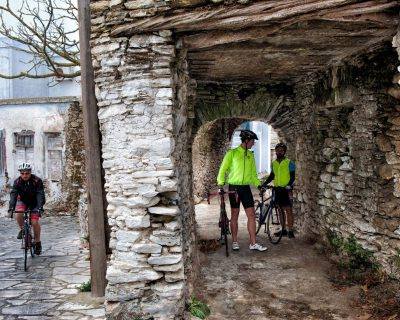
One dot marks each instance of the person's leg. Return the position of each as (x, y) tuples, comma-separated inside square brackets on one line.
[(234, 223), (19, 217), (234, 202), (36, 229), (251, 224)]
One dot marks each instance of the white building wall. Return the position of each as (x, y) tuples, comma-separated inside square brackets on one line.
[(262, 147), (40, 118)]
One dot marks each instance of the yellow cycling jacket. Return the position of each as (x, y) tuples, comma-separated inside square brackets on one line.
[(241, 168)]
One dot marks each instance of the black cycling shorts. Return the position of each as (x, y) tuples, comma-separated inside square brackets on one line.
[(282, 197), (243, 196)]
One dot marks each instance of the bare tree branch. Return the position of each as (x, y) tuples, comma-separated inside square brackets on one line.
[(48, 32)]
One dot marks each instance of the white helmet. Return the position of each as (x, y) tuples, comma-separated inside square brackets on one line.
[(24, 167)]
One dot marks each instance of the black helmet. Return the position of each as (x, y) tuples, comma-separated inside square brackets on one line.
[(281, 145), (247, 135)]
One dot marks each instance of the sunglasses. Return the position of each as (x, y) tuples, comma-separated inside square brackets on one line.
[(25, 173)]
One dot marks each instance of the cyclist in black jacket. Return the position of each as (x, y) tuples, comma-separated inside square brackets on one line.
[(28, 193)]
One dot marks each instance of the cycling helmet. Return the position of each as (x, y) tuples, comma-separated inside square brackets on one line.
[(281, 145), (247, 135), (24, 167)]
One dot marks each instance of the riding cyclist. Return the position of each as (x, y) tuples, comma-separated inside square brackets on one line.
[(28, 193), (283, 175), (240, 164)]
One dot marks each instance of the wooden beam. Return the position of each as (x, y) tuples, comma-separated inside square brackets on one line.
[(236, 17), (93, 158), (215, 38)]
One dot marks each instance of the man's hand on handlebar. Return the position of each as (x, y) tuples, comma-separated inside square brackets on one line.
[(221, 190), (261, 189)]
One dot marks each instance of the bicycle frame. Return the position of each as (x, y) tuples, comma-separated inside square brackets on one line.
[(28, 237), (266, 213)]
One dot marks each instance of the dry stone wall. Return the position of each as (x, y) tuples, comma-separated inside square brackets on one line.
[(73, 183), (354, 159), (342, 135), (147, 202), (210, 144)]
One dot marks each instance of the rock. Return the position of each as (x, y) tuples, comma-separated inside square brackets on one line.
[(115, 276), (165, 259), (175, 276), (383, 143), (99, 5), (172, 226), (135, 4), (166, 238), (169, 268), (147, 248), (138, 222), (128, 237), (167, 290), (167, 211), (386, 172)]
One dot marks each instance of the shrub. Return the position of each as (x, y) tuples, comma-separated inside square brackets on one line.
[(85, 287), (198, 308)]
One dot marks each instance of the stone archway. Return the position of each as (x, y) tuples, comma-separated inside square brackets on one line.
[(332, 116)]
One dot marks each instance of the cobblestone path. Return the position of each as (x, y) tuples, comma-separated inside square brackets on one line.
[(48, 290)]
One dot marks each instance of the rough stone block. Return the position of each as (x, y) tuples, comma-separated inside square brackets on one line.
[(127, 236), (166, 238), (169, 268), (166, 211), (138, 222), (147, 248), (165, 259), (115, 276), (167, 290)]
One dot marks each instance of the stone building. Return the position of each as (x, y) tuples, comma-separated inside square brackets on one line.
[(322, 73), (40, 123)]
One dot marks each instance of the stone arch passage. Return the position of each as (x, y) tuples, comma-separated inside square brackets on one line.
[(334, 64), (219, 111)]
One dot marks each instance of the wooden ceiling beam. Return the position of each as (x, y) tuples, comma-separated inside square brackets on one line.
[(260, 13)]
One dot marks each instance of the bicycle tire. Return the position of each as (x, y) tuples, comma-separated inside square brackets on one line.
[(260, 217), (226, 245), (26, 247), (225, 231), (32, 248), (275, 224)]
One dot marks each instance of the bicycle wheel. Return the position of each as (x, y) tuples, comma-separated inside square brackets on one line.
[(32, 247), (225, 231), (226, 245), (275, 224), (261, 214), (26, 247)]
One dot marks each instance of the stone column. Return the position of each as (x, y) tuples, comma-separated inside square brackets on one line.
[(136, 99)]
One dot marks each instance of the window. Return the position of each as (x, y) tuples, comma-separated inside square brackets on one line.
[(23, 148), (24, 139)]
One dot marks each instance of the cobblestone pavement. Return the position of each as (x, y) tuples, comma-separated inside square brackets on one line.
[(48, 290)]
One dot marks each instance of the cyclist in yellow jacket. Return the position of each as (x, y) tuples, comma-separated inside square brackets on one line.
[(240, 165), (283, 175)]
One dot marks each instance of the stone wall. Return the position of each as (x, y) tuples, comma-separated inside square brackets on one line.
[(332, 124), (353, 157), (138, 114), (209, 147), (73, 186)]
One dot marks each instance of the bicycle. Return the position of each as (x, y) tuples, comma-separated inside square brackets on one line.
[(223, 218), (28, 240), (271, 216)]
